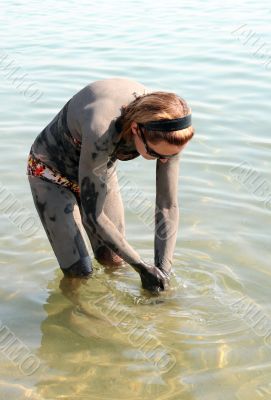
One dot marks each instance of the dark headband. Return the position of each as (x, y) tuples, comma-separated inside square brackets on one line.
[(169, 125)]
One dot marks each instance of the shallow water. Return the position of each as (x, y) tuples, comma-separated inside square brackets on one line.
[(209, 335)]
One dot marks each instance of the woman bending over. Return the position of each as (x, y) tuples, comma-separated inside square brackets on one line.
[(73, 179)]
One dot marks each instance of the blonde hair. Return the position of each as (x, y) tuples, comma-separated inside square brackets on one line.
[(153, 107)]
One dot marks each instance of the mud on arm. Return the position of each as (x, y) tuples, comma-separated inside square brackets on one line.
[(166, 213), (94, 182)]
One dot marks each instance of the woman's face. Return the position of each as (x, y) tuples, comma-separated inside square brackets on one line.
[(161, 147)]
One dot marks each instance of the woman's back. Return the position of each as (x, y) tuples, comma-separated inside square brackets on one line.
[(93, 108)]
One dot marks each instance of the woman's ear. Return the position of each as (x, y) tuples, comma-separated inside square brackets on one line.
[(134, 128)]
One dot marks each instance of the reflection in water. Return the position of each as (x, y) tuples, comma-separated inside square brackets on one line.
[(87, 351), (86, 355)]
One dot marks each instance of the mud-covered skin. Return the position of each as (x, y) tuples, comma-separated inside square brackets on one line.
[(91, 116), (152, 278), (54, 147), (64, 230), (167, 213), (80, 269)]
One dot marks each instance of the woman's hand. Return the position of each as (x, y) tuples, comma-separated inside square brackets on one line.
[(152, 278)]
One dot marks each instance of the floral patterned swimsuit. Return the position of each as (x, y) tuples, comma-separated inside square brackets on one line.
[(36, 167)]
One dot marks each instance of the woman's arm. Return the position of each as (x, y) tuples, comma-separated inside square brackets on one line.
[(167, 212), (94, 182)]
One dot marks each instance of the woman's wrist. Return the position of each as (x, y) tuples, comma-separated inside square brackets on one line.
[(139, 266)]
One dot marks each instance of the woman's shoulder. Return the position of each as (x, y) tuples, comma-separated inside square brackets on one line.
[(99, 102), (111, 85), (108, 90)]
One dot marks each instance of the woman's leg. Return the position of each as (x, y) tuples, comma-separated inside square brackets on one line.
[(59, 213)]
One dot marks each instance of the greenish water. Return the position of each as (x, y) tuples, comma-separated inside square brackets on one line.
[(209, 335)]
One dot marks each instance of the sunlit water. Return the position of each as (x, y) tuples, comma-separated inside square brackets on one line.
[(208, 337)]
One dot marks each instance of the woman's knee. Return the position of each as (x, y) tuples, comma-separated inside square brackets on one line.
[(106, 256)]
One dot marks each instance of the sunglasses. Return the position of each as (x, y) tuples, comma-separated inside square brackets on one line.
[(150, 151)]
